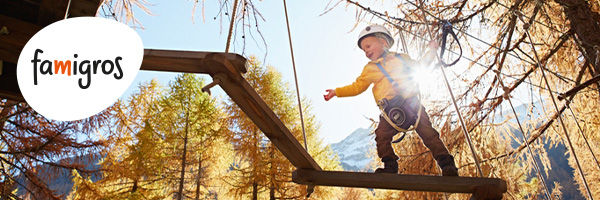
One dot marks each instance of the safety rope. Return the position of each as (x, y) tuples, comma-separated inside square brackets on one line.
[(535, 162), (295, 76), (464, 127), (582, 133), (235, 3), (543, 69), (466, 58), (68, 8), (449, 50)]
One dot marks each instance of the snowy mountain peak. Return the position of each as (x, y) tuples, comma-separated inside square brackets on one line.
[(353, 150)]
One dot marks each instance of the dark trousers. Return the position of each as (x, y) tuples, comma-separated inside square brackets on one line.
[(430, 137)]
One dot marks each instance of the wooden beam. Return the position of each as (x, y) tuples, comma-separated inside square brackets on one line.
[(84, 8), (12, 43), (229, 67), (51, 11), (20, 31), (27, 11), (54, 10), (188, 61), (451, 184), (9, 88)]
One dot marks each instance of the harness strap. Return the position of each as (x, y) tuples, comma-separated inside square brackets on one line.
[(397, 87), (447, 29)]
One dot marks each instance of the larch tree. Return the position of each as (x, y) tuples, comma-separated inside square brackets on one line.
[(132, 164), (36, 150), (191, 127), (261, 171)]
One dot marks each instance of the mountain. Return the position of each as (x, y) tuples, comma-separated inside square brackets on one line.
[(561, 171), (353, 150), (62, 183)]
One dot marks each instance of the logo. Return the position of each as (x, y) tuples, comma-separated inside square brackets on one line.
[(77, 67)]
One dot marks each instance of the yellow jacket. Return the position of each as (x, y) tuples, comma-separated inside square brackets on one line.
[(382, 88)]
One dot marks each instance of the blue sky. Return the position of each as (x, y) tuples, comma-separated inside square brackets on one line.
[(325, 51)]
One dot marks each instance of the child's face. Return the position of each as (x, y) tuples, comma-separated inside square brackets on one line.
[(373, 47)]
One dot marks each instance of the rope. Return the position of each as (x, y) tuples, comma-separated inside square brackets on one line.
[(235, 3), (467, 34), (378, 14), (464, 127), (582, 134), (542, 69), (536, 165), (467, 58), (451, 51), (68, 8), (295, 76), (547, 26)]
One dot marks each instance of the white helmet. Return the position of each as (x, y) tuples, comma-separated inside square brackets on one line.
[(372, 29)]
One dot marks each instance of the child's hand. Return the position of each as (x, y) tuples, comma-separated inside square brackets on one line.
[(330, 94), (433, 44)]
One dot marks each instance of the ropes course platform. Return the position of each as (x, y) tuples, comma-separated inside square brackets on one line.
[(226, 70)]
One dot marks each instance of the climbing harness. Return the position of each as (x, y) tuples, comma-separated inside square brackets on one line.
[(447, 30), (402, 114)]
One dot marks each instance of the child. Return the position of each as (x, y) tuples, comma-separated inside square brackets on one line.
[(375, 41)]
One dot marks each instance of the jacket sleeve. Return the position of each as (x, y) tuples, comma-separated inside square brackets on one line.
[(428, 58), (359, 86)]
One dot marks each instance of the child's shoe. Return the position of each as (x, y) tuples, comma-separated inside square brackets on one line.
[(390, 166), (446, 163)]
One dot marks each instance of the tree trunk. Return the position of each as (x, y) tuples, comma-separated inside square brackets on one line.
[(135, 186), (584, 22), (254, 190), (198, 177), (272, 173), (254, 167), (183, 157)]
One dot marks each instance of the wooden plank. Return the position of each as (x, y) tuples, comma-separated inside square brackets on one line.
[(84, 8), (189, 61), (256, 109), (9, 88), (230, 66), (51, 11), (19, 33), (397, 181), (23, 10), (54, 10)]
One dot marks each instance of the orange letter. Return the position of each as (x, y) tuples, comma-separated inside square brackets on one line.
[(62, 66)]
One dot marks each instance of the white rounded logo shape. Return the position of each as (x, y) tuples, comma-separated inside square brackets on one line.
[(77, 67)]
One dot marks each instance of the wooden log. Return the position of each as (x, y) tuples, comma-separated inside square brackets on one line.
[(451, 184)]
